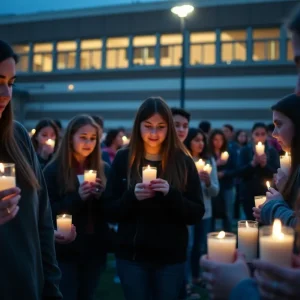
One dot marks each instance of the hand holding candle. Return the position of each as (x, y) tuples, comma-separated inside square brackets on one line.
[(260, 148), (64, 224), (90, 176), (248, 239), (207, 168), (224, 156), (149, 174), (200, 165), (125, 140), (259, 200)]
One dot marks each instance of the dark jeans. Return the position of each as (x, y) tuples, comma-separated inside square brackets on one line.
[(80, 279), (145, 281)]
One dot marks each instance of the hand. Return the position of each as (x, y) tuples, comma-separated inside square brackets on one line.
[(204, 176), (278, 283), (257, 212), (220, 175), (142, 191), (85, 190), (160, 185), (221, 278), (272, 194), (9, 200), (221, 162), (46, 151), (255, 160), (61, 239), (280, 179), (262, 160), (97, 188)]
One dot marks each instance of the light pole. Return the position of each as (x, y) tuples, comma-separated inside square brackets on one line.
[(182, 12)]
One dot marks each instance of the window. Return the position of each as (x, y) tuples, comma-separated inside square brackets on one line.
[(42, 57), (66, 55), (90, 54), (23, 54), (144, 50), (116, 53), (290, 51), (203, 48), (233, 46), (171, 49), (266, 44)]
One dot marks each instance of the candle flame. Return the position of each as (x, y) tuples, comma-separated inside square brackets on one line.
[(268, 184), (286, 154), (33, 131), (1, 168), (124, 138), (64, 216), (259, 144), (247, 225), (221, 235), (148, 167)]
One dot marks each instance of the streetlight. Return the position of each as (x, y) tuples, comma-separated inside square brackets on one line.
[(182, 12)]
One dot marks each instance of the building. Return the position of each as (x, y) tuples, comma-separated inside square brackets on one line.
[(106, 60)]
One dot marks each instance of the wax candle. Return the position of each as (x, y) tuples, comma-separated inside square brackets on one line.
[(221, 246), (268, 184), (90, 175), (248, 239), (125, 140), (7, 176), (200, 165), (276, 244), (207, 168), (149, 174), (285, 163), (259, 200), (64, 224), (51, 143), (260, 148), (224, 156)]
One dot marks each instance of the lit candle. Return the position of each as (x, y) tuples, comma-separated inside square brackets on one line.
[(200, 165), (51, 143), (259, 200), (248, 239), (32, 132), (224, 156), (221, 246), (268, 185), (7, 176), (90, 175), (207, 168), (260, 148), (125, 140), (149, 174), (285, 163), (276, 244), (64, 224)]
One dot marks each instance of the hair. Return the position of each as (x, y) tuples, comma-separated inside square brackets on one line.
[(270, 127), (205, 126), (259, 125), (181, 112), (229, 126), (65, 158), (58, 124), (40, 125), (293, 21), (99, 121), (211, 138), (111, 136), (7, 133), (174, 168), (193, 132), (237, 135)]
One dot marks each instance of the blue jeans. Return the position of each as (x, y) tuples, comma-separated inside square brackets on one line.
[(145, 281)]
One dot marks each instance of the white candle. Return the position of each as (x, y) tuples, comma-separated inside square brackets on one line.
[(276, 244), (149, 174), (200, 165), (221, 246), (90, 175), (207, 168), (64, 224), (285, 163), (7, 176), (260, 148), (125, 140), (224, 156), (51, 143), (248, 239), (259, 200)]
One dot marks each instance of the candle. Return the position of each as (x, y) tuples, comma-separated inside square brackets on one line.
[(276, 244), (64, 224), (207, 168), (248, 239), (259, 200), (224, 156), (200, 165), (149, 174), (80, 178), (221, 246), (90, 175), (260, 148), (7, 176), (285, 163), (51, 143), (32, 132), (125, 140), (268, 184)]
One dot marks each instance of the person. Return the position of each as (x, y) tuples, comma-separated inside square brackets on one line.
[(241, 139), (205, 126), (29, 267), (153, 216), (83, 260), (272, 141), (181, 120), (113, 142)]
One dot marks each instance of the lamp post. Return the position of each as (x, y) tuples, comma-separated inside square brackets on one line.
[(182, 12)]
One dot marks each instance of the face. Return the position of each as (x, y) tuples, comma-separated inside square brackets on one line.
[(197, 144), (85, 140), (118, 140), (242, 137), (284, 130), (228, 133), (296, 48), (218, 141), (154, 131), (45, 134), (259, 135), (181, 126), (7, 78)]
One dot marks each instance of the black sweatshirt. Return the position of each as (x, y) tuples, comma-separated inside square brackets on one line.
[(155, 229)]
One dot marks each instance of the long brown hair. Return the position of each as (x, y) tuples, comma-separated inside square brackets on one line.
[(65, 158), (174, 169)]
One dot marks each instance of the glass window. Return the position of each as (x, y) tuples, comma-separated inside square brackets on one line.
[(233, 45), (90, 54), (144, 50), (203, 48), (171, 49), (290, 51), (116, 53), (23, 55), (42, 57), (66, 55)]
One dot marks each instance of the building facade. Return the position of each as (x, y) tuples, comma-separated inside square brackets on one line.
[(105, 61)]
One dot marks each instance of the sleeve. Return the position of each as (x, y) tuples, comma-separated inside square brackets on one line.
[(247, 289), (244, 163), (273, 163), (213, 189)]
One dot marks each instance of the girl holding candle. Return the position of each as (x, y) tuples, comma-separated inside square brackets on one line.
[(153, 217), (81, 261), (28, 264)]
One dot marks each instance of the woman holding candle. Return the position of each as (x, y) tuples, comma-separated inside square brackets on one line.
[(81, 261), (153, 217), (28, 263)]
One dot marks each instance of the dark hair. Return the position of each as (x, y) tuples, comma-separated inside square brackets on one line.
[(6, 52), (270, 127), (205, 126), (211, 143), (193, 132), (293, 21), (110, 137), (229, 126), (181, 112), (237, 135), (58, 124), (259, 125), (99, 121)]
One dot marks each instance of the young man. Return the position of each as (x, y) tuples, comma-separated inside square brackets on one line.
[(181, 120)]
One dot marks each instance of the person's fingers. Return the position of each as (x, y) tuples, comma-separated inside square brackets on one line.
[(9, 201), (208, 277), (9, 216)]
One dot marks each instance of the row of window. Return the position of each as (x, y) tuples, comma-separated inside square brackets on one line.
[(163, 50)]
